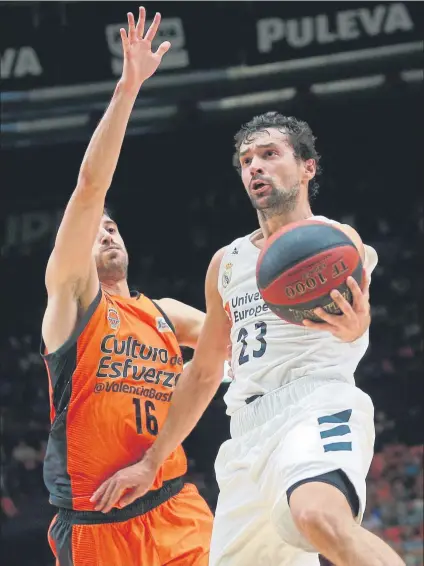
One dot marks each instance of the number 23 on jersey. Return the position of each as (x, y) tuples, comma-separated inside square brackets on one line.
[(256, 347)]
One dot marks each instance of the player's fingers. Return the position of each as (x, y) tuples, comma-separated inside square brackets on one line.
[(127, 498), (131, 496), (104, 498), (141, 21), (318, 325), (131, 27), (332, 319), (341, 302), (113, 497), (151, 32), (99, 491), (359, 298), (163, 48), (125, 40)]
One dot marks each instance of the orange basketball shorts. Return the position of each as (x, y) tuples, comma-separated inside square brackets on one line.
[(175, 533)]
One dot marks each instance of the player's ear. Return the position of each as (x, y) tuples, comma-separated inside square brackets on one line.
[(310, 166)]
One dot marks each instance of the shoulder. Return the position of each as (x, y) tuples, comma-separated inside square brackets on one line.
[(346, 229), (217, 258), (230, 250), (216, 268), (368, 254), (355, 237)]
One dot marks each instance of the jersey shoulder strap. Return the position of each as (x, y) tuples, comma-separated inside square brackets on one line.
[(224, 274)]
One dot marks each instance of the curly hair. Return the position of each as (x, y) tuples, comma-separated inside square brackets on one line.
[(299, 134)]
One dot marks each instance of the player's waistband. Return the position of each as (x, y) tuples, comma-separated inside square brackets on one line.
[(261, 408), (140, 506)]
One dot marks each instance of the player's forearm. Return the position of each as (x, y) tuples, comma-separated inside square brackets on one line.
[(190, 400), (101, 157)]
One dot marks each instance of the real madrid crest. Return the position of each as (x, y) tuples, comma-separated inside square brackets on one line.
[(226, 276)]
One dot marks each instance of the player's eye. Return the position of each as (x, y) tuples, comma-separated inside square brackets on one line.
[(246, 161), (111, 230), (270, 152)]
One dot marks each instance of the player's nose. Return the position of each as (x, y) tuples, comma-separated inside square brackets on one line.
[(256, 167), (106, 238)]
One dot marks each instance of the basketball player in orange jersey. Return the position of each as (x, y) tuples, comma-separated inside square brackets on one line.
[(292, 475), (113, 360)]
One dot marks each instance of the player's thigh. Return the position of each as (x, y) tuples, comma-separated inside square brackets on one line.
[(249, 538), (334, 434), (243, 534), (182, 529), (111, 544)]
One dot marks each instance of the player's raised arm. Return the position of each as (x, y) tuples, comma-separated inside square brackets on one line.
[(71, 258), (196, 388), (202, 377)]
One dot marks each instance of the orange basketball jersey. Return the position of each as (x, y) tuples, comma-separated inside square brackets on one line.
[(110, 388)]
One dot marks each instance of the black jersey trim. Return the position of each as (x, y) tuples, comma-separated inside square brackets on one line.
[(165, 316), (136, 295), (140, 506), (75, 334)]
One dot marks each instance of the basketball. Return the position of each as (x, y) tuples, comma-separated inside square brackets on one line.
[(301, 264)]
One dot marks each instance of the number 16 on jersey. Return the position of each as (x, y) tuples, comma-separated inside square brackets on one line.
[(145, 412)]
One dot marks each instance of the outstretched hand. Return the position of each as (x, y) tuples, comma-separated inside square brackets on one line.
[(140, 62), (355, 318)]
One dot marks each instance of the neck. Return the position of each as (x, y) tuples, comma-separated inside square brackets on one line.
[(117, 288), (273, 223)]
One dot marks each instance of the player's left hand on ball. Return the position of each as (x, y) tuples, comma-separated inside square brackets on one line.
[(353, 321), (125, 486)]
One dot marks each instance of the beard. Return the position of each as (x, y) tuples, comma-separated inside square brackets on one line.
[(113, 269), (277, 202)]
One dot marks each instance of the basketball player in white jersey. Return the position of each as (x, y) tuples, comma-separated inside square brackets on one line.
[(292, 476)]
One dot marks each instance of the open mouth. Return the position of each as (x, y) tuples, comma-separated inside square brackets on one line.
[(261, 187)]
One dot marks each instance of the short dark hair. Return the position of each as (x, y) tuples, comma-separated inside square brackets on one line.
[(108, 212), (298, 132)]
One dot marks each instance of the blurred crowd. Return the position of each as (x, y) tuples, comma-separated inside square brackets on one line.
[(395, 499)]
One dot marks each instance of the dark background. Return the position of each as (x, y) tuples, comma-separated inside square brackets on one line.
[(177, 200)]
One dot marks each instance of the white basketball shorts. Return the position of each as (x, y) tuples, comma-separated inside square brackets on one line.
[(306, 428)]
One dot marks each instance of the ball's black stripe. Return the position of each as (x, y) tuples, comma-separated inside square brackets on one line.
[(297, 311), (294, 247), (308, 256)]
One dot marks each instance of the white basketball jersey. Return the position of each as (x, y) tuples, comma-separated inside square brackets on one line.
[(268, 352)]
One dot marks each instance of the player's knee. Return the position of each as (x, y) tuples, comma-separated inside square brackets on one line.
[(321, 511), (318, 524)]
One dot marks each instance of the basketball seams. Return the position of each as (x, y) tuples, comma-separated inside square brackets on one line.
[(300, 266), (287, 279), (294, 244), (300, 260)]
